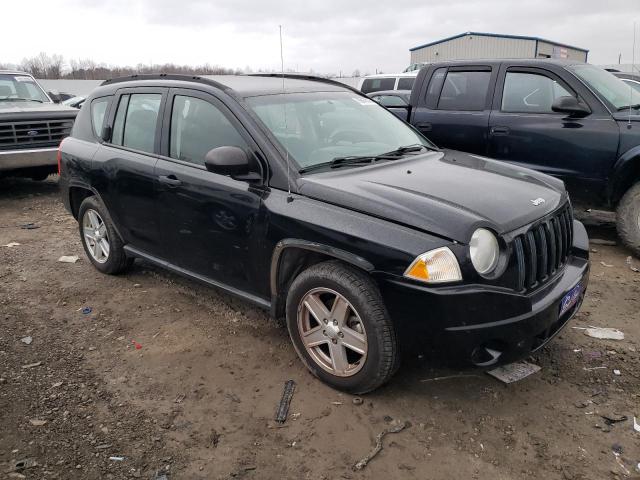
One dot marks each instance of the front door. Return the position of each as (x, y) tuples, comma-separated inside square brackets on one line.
[(524, 130), (211, 224)]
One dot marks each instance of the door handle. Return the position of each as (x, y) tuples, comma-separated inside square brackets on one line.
[(499, 131), (170, 180), (424, 126)]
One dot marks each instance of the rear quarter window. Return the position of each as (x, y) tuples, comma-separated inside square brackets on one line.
[(377, 84), (98, 111), (406, 83)]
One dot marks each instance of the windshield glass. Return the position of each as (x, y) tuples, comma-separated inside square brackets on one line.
[(609, 87), (20, 87), (318, 127)]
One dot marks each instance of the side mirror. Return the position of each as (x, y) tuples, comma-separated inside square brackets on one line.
[(570, 105), (54, 96), (230, 161)]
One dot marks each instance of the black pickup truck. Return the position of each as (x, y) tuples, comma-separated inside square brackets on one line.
[(571, 120)]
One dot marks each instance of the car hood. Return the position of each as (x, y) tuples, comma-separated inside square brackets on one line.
[(447, 193), (34, 107)]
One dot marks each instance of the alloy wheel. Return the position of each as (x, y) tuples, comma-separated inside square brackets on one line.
[(332, 332), (95, 236)]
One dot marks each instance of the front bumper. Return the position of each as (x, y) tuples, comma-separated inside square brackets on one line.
[(484, 325), (28, 158)]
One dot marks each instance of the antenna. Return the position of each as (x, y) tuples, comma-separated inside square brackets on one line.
[(284, 108), (633, 68)]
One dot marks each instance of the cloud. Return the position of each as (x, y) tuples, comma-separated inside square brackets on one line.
[(326, 36)]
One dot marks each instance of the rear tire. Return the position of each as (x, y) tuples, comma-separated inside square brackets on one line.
[(101, 242), (628, 219), (352, 346)]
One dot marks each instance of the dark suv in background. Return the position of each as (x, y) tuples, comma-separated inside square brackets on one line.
[(572, 120), (31, 127), (312, 201)]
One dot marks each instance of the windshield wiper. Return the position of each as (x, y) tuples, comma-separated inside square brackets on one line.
[(628, 107), (8, 99)]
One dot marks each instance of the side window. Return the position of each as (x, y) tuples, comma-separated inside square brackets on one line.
[(377, 84), (390, 101), (466, 91), (197, 126), (530, 93), (118, 124), (98, 110), (406, 83), (136, 120)]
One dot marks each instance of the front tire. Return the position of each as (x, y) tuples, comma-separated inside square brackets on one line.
[(340, 327), (101, 243), (628, 219)]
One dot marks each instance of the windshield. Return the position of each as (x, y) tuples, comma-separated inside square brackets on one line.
[(318, 127), (16, 87), (609, 87)]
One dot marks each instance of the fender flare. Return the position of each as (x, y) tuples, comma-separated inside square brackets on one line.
[(301, 244), (627, 161), (76, 184)]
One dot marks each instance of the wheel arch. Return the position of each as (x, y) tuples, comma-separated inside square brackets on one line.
[(78, 193), (291, 256), (626, 172)]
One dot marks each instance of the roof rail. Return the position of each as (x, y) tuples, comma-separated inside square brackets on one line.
[(166, 76), (304, 76)]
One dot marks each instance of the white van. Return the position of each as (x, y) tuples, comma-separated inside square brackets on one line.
[(384, 81)]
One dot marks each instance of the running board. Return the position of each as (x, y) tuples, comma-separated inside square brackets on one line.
[(260, 302)]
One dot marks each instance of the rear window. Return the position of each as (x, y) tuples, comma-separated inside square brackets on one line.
[(406, 83), (98, 110), (377, 84), (466, 91)]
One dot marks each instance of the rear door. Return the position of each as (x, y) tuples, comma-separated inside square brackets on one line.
[(123, 168), (454, 112), (209, 222), (524, 130)]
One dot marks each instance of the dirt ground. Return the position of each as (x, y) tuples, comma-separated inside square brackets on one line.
[(197, 399)]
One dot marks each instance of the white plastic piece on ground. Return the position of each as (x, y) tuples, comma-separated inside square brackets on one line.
[(636, 425), (11, 244), (514, 371), (26, 340), (68, 259), (604, 333)]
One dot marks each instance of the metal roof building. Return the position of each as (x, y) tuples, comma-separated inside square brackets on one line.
[(472, 45)]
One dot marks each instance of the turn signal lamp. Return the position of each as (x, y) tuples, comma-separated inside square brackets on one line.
[(436, 266)]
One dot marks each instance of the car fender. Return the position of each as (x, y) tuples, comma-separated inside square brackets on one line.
[(625, 172)]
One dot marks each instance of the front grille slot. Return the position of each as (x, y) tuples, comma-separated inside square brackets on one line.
[(33, 134), (543, 249)]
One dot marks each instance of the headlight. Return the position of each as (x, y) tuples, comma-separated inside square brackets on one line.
[(437, 266), (484, 251)]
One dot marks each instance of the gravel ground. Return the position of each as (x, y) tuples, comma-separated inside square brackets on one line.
[(165, 376)]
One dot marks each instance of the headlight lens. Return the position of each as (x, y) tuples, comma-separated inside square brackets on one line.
[(484, 251), (436, 266)]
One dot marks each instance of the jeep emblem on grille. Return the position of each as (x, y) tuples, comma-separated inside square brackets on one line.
[(32, 133), (538, 201)]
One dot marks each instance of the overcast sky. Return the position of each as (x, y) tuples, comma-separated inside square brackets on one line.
[(327, 36)]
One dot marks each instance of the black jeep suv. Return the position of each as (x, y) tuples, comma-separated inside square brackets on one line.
[(309, 199)]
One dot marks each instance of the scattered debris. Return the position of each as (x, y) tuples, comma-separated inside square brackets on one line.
[(514, 371), (636, 425), (179, 398), (116, 459), (599, 241), (29, 226), (37, 423), (436, 379), (32, 365), (588, 369), (357, 401), (336, 403), (631, 267), (136, 345), (617, 449), (86, 310), (611, 418), (11, 244), (378, 447), (160, 476), (214, 438), (26, 340), (604, 264), (69, 259), (285, 401), (24, 464), (604, 333), (57, 384), (617, 372)]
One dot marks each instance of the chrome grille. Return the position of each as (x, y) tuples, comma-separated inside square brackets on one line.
[(33, 134), (543, 249)]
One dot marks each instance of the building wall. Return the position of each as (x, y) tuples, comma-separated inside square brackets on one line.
[(549, 50), (475, 46)]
